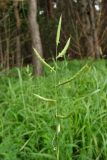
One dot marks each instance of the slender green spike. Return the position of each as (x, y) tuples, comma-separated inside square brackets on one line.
[(45, 99), (58, 31), (42, 60), (63, 52), (72, 78)]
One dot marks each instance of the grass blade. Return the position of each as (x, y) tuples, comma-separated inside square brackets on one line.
[(72, 78), (45, 99), (58, 31), (42, 60), (44, 155), (63, 52)]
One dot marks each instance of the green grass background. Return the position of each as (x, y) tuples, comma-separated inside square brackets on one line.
[(28, 124)]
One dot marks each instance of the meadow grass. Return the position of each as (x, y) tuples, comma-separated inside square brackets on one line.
[(29, 128)]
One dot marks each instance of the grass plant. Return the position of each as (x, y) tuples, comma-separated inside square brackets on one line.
[(61, 115), (28, 124)]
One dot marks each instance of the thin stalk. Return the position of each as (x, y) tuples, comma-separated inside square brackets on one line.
[(57, 118)]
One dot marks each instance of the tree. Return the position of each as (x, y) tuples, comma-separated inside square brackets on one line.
[(4, 35), (18, 27), (89, 37), (35, 36), (103, 27), (49, 9)]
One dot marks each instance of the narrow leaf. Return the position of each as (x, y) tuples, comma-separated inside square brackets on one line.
[(45, 99), (42, 60), (76, 75), (43, 156), (63, 52), (58, 31)]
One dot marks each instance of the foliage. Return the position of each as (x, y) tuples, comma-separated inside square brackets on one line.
[(28, 124)]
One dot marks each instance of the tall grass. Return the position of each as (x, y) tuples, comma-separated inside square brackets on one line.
[(61, 115), (28, 124), (54, 69)]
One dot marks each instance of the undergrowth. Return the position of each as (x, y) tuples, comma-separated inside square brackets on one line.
[(28, 123)]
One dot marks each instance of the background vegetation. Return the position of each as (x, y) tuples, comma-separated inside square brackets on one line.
[(62, 114), (85, 22), (28, 124)]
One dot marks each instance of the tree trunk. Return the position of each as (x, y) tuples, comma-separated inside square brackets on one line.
[(18, 25), (89, 38), (49, 9), (103, 27), (1, 55), (35, 36)]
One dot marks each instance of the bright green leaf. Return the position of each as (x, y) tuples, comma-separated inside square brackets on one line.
[(42, 60), (45, 99), (58, 31), (63, 52)]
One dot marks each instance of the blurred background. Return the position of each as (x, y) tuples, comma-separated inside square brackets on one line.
[(84, 21)]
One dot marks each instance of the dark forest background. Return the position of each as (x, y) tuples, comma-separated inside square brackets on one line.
[(84, 21)]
